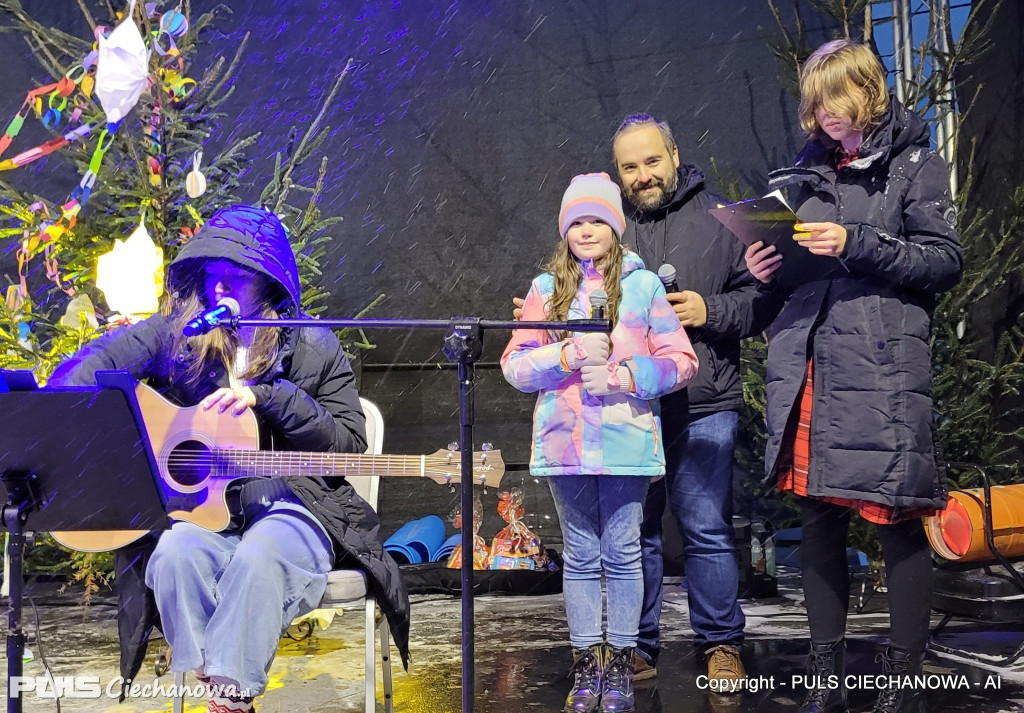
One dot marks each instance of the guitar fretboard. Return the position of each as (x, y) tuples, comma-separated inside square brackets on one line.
[(271, 464), (229, 463)]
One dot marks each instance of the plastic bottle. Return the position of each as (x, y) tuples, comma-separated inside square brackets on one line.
[(756, 551)]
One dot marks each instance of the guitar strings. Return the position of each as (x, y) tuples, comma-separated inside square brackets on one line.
[(238, 464)]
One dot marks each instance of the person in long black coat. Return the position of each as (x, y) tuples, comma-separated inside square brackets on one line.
[(225, 598), (849, 407)]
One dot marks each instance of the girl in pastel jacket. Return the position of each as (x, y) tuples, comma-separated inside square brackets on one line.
[(597, 428)]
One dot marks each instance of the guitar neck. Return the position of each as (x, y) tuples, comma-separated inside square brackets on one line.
[(229, 463)]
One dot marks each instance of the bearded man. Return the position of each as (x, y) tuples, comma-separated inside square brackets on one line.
[(718, 303)]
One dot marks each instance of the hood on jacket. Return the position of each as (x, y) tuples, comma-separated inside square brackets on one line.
[(899, 129), (251, 237), (630, 262)]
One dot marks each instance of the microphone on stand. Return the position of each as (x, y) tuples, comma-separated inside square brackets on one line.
[(205, 321), (667, 275), (598, 304)]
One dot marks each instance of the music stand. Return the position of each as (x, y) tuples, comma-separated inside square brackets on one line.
[(70, 459)]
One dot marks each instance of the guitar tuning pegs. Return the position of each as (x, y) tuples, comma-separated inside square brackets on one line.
[(487, 447), (453, 446), (451, 487)]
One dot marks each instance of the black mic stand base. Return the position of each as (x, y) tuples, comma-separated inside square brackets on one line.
[(15, 515)]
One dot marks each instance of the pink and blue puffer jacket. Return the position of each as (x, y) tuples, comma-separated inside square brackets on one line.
[(575, 433)]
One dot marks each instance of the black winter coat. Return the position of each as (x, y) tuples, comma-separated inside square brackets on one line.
[(307, 401), (709, 261), (872, 428)]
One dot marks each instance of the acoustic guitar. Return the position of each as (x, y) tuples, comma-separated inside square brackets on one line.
[(199, 453)]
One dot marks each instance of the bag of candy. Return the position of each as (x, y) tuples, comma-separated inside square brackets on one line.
[(515, 546), (481, 555)]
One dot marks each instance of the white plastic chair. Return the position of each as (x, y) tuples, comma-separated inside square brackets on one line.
[(347, 587)]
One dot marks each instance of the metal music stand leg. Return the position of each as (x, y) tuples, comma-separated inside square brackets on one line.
[(15, 515), (464, 343)]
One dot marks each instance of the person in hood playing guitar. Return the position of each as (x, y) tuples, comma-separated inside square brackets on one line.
[(226, 597)]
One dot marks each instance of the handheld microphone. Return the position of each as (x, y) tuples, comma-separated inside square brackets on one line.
[(598, 304), (211, 318), (667, 275)]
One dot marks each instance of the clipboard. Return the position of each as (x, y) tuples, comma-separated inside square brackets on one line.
[(771, 221)]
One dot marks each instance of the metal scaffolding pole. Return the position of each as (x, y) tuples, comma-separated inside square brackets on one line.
[(939, 41), (903, 48)]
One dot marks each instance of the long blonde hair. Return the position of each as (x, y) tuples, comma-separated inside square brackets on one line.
[(219, 346), (565, 268), (846, 78)]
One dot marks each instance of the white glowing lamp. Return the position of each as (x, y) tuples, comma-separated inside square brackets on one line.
[(131, 275)]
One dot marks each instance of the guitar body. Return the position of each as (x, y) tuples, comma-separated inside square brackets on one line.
[(199, 453), (181, 439)]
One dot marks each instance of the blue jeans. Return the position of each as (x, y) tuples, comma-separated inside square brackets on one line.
[(600, 519), (698, 489), (225, 598)]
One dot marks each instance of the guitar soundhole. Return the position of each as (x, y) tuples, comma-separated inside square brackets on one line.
[(189, 463)]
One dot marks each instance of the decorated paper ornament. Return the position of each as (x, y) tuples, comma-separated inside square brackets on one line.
[(17, 300), (174, 23), (122, 68), (195, 181), (80, 312), (131, 275)]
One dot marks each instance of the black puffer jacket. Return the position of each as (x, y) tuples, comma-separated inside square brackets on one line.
[(872, 431), (307, 400), (709, 261)]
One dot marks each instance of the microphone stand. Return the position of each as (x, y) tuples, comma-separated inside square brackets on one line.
[(463, 342)]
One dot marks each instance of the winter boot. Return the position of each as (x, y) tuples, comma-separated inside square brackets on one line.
[(617, 685), (587, 668), (902, 668), (826, 688)]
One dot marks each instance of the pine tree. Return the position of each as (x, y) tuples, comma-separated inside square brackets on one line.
[(142, 178)]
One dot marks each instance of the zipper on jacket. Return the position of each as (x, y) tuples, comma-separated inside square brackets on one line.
[(654, 430), (714, 366)]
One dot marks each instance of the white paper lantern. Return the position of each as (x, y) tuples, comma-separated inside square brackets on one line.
[(131, 274)]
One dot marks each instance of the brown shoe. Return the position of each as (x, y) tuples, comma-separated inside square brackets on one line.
[(641, 669), (725, 666)]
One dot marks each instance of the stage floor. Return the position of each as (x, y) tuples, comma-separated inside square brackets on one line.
[(522, 657)]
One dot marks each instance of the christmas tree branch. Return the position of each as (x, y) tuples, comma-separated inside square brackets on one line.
[(229, 72), (87, 14), (62, 41), (53, 69), (286, 180)]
